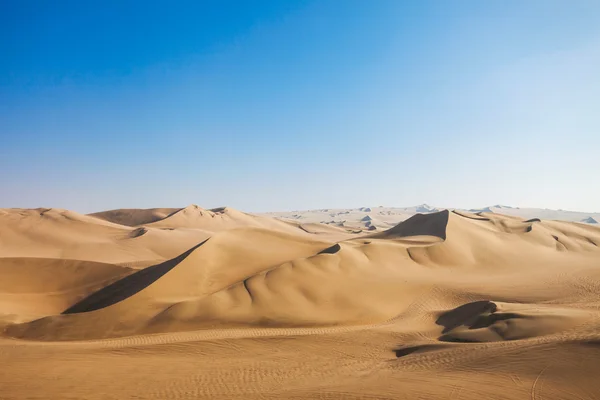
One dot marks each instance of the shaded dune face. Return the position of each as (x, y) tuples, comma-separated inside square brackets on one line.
[(486, 321), (126, 287), (266, 273), (418, 225)]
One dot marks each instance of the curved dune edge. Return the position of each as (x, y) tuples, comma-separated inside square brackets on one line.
[(128, 286)]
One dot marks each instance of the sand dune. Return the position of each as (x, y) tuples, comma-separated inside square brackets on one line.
[(216, 220), (486, 321), (440, 305), (135, 217), (34, 287), (53, 233)]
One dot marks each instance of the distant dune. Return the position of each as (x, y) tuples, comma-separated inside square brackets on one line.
[(375, 302), (393, 215), (135, 217)]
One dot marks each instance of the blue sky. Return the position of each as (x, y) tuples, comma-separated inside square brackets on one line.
[(282, 105)]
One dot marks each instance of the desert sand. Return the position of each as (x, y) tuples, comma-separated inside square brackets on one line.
[(371, 303)]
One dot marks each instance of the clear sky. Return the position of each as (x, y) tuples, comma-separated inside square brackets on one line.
[(281, 105)]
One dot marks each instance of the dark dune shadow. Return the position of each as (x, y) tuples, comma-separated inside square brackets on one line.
[(128, 286), (433, 224), (173, 213), (331, 250), (467, 314), (534, 220), (137, 232), (303, 228), (405, 351)]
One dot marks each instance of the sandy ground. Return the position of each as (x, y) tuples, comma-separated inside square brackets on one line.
[(193, 303)]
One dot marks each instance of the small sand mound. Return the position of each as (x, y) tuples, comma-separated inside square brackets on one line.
[(486, 321)]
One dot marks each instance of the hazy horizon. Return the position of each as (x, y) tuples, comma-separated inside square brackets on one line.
[(433, 206), (278, 106)]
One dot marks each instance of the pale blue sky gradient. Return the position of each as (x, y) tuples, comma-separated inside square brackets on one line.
[(281, 105)]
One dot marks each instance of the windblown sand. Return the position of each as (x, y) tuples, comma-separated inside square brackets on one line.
[(193, 303)]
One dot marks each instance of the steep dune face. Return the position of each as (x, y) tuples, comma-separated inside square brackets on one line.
[(427, 225), (495, 241), (440, 298)]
